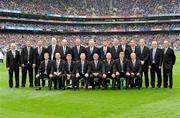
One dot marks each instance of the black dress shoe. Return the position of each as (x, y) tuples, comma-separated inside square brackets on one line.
[(38, 89)]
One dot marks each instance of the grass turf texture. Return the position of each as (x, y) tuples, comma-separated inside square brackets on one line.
[(146, 103)]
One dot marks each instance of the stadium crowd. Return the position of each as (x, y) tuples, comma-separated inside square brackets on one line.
[(94, 7)]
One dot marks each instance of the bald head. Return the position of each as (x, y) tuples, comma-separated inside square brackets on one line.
[(53, 41), (154, 44)]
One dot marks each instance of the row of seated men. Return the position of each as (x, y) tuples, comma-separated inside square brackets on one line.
[(154, 59), (60, 72)]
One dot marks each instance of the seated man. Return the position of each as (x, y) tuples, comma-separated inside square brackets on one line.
[(83, 69), (70, 71), (58, 72), (96, 70), (121, 65), (109, 69), (44, 70), (134, 70)]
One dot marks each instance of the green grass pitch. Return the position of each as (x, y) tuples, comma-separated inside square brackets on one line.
[(146, 103)]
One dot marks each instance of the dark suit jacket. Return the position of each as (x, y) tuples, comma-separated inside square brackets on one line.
[(24, 56), (115, 55), (40, 57), (127, 51), (11, 62), (49, 49), (41, 69), (136, 51), (89, 55), (158, 57), (99, 69), (61, 66), (135, 69), (169, 58), (144, 56), (68, 51), (109, 68), (72, 68), (87, 68), (103, 54), (118, 66), (76, 55)]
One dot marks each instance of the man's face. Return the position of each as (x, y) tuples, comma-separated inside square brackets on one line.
[(142, 42), (91, 43), (13, 46), (39, 43), (166, 44), (132, 43), (121, 55), (108, 56), (82, 56), (133, 56), (154, 44), (28, 44), (95, 56), (53, 41), (123, 40), (46, 56), (105, 43), (68, 57), (115, 42), (57, 55), (78, 42)]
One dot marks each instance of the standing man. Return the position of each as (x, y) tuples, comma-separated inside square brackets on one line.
[(134, 48), (115, 49), (13, 64), (53, 48), (104, 49), (64, 49), (39, 55), (91, 49), (77, 50), (169, 60), (27, 63), (125, 47), (144, 57), (155, 60)]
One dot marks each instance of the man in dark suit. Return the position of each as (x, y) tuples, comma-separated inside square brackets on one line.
[(83, 69), (27, 63), (169, 60), (144, 57), (115, 49), (44, 71), (53, 48), (125, 47), (121, 66), (58, 67), (70, 71), (104, 49), (134, 48), (109, 69), (91, 49), (13, 64), (77, 50), (97, 70), (64, 49), (134, 70), (39, 55), (155, 60)]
